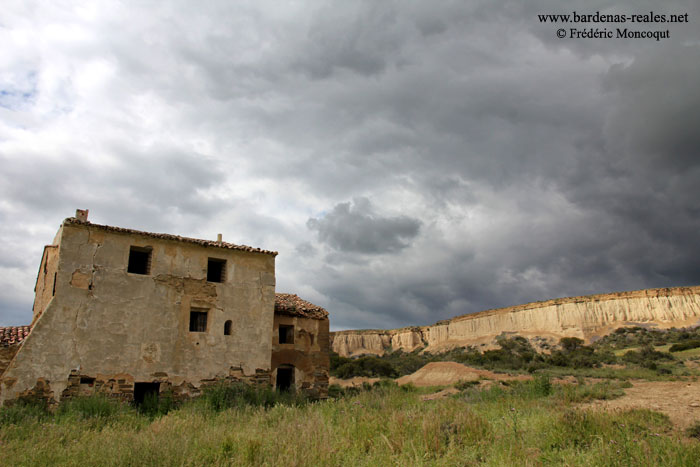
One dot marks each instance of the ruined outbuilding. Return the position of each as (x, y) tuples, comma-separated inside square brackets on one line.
[(300, 345), (128, 313)]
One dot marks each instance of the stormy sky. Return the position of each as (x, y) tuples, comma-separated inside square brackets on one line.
[(410, 161)]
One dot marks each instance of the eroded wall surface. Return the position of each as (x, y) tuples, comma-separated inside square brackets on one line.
[(117, 327), (7, 353), (308, 354), (586, 317), (45, 287)]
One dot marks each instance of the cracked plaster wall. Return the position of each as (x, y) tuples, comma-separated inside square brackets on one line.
[(103, 320)]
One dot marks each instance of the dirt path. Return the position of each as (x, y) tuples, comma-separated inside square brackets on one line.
[(680, 400)]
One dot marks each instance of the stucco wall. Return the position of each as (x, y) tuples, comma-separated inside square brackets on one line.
[(106, 321), (309, 354), (44, 287)]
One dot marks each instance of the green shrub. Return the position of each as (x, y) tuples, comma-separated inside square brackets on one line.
[(693, 431), (335, 391), (95, 406), (686, 345), (156, 405), (462, 384), (23, 411), (586, 392), (542, 385), (226, 395)]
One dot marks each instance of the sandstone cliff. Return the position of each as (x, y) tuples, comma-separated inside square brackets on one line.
[(587, 317)]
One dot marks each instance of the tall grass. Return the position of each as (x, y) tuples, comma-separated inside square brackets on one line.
[(527, 423)]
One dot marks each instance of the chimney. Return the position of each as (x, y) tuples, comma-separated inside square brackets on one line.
[(82, 214), (219, 238)]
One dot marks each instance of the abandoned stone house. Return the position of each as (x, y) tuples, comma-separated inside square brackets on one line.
[(128, 313)]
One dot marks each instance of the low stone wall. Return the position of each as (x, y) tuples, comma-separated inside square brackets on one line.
[(121, 386)]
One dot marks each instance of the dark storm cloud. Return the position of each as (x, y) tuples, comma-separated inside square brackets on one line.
[(656, 121), (355, 227), (504, 164)]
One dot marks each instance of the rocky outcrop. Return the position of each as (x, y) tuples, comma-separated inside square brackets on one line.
[(587, 317)]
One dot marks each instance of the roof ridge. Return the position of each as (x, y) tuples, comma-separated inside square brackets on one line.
[(165, 236)]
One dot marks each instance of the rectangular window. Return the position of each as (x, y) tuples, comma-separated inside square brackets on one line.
[(198, 320), (139, 260), (286, 334), (84, 380), (216, 270)]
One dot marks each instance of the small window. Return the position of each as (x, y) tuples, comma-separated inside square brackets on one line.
[(198, 320), (227, 328), (286, 334), (87, 381), (216, 270), (87, 386), (53, 292), (139, 260)]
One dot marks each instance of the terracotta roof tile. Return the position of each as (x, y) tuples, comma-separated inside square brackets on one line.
[(177, 238), (12, 335), (291, 305)]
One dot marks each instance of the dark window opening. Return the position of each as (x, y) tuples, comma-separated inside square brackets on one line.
[(87, 381), (53, 292), (216, 270), (311, 339), (143, 391), (285, 378), (227, 328), (198, 320), (139, 260), (286, 334)]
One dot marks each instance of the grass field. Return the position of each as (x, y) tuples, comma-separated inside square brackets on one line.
[(527, 423)]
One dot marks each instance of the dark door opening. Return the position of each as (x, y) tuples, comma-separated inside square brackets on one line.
[(144, 390), (285, 378)]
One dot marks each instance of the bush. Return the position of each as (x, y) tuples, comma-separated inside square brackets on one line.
[(462, 384), (542, 385), (155, 405), (646, 357), (96, 406), (586, 392), (686, 345), (370, 366), (226, 395), (336, 391), (23, 411), (693, 431)]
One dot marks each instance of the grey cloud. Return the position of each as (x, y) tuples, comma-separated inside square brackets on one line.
[(534, 166), (355, 227)]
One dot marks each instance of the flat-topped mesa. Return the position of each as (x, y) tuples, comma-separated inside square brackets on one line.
[(586, 317)]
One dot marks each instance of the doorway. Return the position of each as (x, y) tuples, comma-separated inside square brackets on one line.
[(285, 378), (145, 390)]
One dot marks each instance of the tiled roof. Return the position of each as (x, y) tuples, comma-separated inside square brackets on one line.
[(291, 305), (177, 238), (11, 335)]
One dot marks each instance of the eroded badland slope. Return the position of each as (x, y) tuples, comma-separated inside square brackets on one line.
[(586, 317)]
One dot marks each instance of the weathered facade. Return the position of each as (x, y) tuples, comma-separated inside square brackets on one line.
[(128, 313), (300, 346)]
